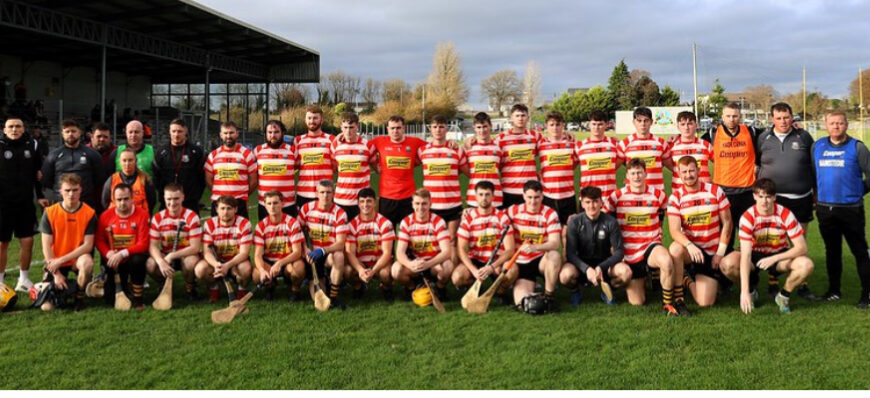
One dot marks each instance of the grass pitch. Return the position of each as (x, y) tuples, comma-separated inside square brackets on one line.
[(374, 345)]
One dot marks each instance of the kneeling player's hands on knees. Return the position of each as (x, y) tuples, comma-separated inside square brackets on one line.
[(274, 272), (484, 272), (765, 263), (695, 253), (59, 282), (220, 271), (593, 275)]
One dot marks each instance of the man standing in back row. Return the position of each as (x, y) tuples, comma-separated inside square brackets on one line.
[(180, 162)]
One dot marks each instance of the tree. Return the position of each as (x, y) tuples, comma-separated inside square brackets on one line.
[(759, 97), (669, 97), (289, 95), (717, 101), (396, 90), (646, 92), (576, 108), (342, 87), (817, 104), (856, 85), (446, 83), (501, 88), (371, 92), (619, 87), (531, 86)]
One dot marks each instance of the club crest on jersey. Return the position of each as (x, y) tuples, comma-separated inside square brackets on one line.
[(7, 155), (185, 159), (601, 234), (83, 160), (27, 154), (795, 146)]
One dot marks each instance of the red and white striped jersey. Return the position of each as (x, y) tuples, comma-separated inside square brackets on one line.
[(535, 227), (368, 236), (226, 238), (277, 240), (484, 163), (638, 217), (482, 232), (276, 170), (441, 174), (323, 226), (699, 214), (353, 161), (231, 169), (558, 160), (423, 237), (163, 226), (767, 234), (314, 160), (598, 164), (518, 153), (699, 149), (652, 150)]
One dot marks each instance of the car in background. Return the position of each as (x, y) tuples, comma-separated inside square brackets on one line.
[(573, 126)]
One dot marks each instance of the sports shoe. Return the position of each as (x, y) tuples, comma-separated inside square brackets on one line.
[(406, 294), (336, 304), (23, 285), (389, 296), (772, 291), (507, 298), (607, 300), (442, 293), (78, 305), (670, 310), (782, 303), (576, 297), (269, 294), (682, 308), (192, 295), (296, 296), (212, 295), (806, 294), (831, 296), (358, 293), (864, 303), (138, 304), (754, 295)]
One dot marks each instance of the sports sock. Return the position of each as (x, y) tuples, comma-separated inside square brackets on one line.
[(772, 281), (667, 296), (188, 287), (334, 290), (678, 293), (785, 293), (137, 290), (25, 274), (548, 294), (687, 281)]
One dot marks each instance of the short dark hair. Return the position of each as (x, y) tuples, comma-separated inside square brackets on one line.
[(438, 119), (765, 185), (122, 186), (555, 115), (230, 123), (533, 185), (367, 193), (178, 122), (485, 185), (70, 123), (102, 127), (349, 117), (273, 193), (396, 119), (636, 163), (781, 107), (173, 187), (687, 115), (277, 123), (519, 107), (314, 109), (597, 116), (482, 118), (732, 105), (590, 192), (228, 200), (641, 111)]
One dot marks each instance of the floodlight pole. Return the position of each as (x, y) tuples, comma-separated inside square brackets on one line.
[(695, 74), (805, 94), (103, 88), (861, 101)]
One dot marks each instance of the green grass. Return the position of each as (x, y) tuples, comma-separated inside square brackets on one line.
[(373, 345)]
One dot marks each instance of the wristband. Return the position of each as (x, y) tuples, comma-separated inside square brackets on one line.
[(723, 247)]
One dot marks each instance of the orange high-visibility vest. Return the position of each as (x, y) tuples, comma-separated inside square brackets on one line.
[(139, 197), (733, 158)]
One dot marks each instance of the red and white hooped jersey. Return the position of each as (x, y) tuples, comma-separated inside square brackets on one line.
[(353, 161), (164, 225), (699, 149), (518, 154), (226, 238), (484, 163), (558, 161), (535, 227), (638, 217), (423, 237), (598, 164), (276, 171), (368, 236), (652, 150), (482, 232), (323, 226), (314, 161), (699, 214), (767, 234), (277, 240), (441, 174), (231, 169)]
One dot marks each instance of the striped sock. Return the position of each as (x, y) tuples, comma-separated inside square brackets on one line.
[(687, 281), (334, 290), (137, 290), (667, 296), (772, 281), (678, 293)]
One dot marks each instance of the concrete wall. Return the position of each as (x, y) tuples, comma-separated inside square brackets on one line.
[(79, 87)]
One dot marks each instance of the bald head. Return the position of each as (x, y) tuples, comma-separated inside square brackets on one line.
[(135, 133)]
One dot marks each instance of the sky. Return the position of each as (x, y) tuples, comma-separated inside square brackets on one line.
[(577, 43)]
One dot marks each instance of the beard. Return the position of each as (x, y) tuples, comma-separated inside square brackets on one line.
[(274, 144), (71, 141), (230, 142), (314, 126)]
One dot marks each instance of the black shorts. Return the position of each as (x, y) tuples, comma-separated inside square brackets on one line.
[(241, 208), (640, 269), (530, 271), (320, 266), (563, 207), (351, 211), (289, 210), (395, 209), (17, 219), (705, 268), (510, 199), (451, 214), (802, 208), (758, 256)]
